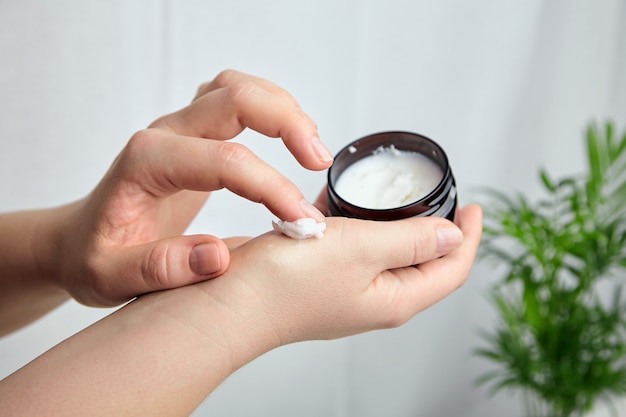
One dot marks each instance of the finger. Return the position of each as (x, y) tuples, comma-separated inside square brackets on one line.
[(230, 77), (184, 163), (409, 291), (224, 112), (163, 264), (400, 243), (455, 266)]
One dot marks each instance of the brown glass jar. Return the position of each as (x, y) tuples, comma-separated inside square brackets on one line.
[(441, 201)]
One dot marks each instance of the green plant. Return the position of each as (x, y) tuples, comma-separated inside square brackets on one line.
[(560, 338)]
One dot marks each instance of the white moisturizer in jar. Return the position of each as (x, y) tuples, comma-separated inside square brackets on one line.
[(389, 176)]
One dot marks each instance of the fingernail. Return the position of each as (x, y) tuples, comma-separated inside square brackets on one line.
[(311, 211), (205, 259), (320, 150), (448, 239)]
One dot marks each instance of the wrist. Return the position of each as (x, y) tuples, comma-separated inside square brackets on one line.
[(25, 246), (214, 318), (29, 246), (239, 319), (49, 237)]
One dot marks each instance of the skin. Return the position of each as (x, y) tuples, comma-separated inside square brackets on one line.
[(165, 351), (124, 238), (276, 291)]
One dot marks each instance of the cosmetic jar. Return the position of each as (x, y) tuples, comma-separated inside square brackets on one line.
[(389, 176)]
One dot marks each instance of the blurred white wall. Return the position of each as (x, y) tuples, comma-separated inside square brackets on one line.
[(505, 87)]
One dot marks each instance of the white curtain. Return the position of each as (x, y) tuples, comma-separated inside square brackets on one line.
[(505, 87)]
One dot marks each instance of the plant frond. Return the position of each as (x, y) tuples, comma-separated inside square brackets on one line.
[(556, 337)]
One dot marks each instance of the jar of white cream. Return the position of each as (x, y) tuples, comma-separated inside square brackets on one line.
[(390, 176)]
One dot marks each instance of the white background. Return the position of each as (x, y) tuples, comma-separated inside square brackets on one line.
[(505, 87)]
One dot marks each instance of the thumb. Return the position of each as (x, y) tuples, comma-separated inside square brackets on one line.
[(169, 263)]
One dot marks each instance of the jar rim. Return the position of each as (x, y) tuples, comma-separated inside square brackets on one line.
[(403, 141)]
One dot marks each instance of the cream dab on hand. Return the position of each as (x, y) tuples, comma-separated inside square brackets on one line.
[(300, 229)]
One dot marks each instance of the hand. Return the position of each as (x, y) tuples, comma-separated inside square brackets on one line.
[(362, 275), (125, 239)]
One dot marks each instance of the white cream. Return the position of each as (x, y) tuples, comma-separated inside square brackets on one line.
[(300, 229), (388, 178)]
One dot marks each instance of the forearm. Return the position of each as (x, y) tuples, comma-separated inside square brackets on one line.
[(29, 242), (163, 353), (160, 355)]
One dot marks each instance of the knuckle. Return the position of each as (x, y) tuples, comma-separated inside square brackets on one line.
[(233, 154), (239, 92), (273, 180), (295, 121), (279, 182), (135, 151), (141, 139), (424, 245), (155, 268), (224, 78), (299, 116), (139, 143), (204, 88)]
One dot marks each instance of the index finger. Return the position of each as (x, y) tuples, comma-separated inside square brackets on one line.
[(188, 163), (226, 109)]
